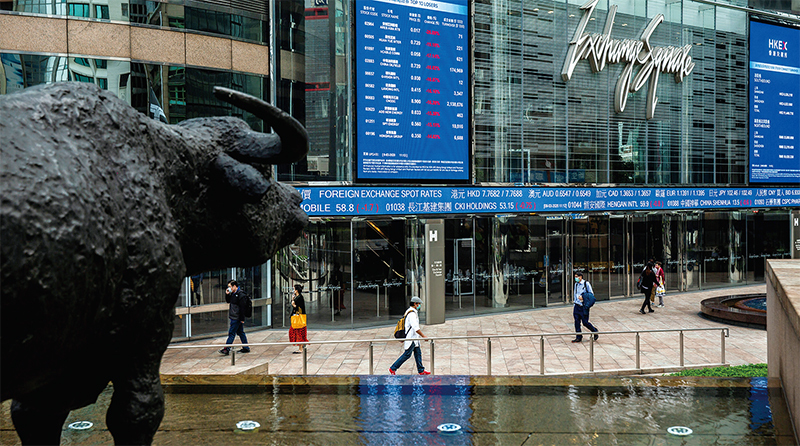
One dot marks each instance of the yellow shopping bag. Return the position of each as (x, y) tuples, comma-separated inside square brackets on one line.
[(298, 320)]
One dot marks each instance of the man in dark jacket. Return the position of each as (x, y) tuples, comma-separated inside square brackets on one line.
[(647, 284), (234, 295)]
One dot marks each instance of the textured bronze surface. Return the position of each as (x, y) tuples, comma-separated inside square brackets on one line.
[(103, 213)]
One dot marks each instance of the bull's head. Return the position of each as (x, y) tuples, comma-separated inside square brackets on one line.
[(248, 215)]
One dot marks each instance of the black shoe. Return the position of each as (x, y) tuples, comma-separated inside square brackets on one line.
[(296, 352), (596, 336), (242, 350), (577, 340), (642, 311), (651, 311), (224, 352)]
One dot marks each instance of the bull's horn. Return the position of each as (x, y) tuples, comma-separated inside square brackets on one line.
[(293, 144)]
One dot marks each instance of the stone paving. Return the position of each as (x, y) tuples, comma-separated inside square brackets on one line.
[(510, 356)]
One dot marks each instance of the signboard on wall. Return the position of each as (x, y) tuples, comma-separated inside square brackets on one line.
[(412, 90), (364, 201), (774, 103)]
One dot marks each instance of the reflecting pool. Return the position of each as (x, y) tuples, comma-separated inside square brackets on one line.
[(407, 410)]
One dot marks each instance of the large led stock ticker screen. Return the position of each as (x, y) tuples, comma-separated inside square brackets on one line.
[(774, 103), (412, 105)]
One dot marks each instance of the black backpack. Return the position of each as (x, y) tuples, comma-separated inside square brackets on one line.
[(245, 305)]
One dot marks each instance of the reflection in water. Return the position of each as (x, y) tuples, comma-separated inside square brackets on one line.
[(407, 411), (414, 411)]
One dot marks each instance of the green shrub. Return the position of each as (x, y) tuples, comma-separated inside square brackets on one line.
[(739, 371)]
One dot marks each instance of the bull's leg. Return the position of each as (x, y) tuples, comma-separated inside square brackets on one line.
[(38, 424), (137, 405)]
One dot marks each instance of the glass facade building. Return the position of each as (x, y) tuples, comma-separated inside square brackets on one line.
[(532, 126)]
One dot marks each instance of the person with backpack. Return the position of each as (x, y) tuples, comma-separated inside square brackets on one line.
[(411, 331), (237, 311), (583, 299)]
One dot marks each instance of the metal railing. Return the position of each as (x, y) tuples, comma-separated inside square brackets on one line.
[(724, 333)]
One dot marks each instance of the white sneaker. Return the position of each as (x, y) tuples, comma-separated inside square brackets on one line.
[(660, 305)]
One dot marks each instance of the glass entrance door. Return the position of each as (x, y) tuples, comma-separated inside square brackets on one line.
[(694, 252), (557, 261), (463, 273)]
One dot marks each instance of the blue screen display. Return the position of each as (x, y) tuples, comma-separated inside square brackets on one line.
[(774, 104), (412, 86)]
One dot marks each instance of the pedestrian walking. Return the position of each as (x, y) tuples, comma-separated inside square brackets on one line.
[(661, 289), (410, 345), (235, 297), (298, 330), (580, 313), (647, 284)]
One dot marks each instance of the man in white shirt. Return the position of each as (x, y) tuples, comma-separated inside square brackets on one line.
[(412, 332)]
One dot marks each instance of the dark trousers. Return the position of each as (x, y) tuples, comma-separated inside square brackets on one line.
[(646, 302), (407, 354), (581, 317), (237, 328)]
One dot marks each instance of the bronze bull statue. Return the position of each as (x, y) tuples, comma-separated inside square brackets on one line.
[(103, 212)]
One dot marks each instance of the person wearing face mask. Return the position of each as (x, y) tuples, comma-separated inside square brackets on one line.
[(579, 313), (234, 296), (412, 332)]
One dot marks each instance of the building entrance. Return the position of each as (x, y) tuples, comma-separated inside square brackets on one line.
[(558, 262)]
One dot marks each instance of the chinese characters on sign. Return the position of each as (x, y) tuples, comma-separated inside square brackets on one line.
[(412, 84), (360, 201)]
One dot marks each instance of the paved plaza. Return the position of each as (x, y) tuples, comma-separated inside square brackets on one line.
[(510, 356)]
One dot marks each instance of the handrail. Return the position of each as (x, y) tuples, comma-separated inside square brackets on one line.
[(724, 333)]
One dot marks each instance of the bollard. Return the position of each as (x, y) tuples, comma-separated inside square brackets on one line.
[(541, 355), (489, 356), (591, 353), (433, 357), (305, 359), (681, 338), (371, 364), (638, 360), (722, 344), (233, 356)]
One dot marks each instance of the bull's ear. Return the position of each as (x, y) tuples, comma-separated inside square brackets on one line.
[(244, 180)]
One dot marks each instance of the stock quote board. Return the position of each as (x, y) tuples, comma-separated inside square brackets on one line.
[(774, 103), (412, 87)]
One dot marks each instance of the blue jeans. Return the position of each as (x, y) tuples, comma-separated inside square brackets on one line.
[(407, 354), (237, 328), (581, 317)]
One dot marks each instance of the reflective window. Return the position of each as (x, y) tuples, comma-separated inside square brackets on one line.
[(531, 126), (82, 78), (312, 89), (101, 12), (78, 9)]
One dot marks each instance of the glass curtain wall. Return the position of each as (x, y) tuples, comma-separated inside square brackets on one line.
[(379, 271), (313, 69), (491, 264), (590, 236), (531, 126), (768, 236)]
